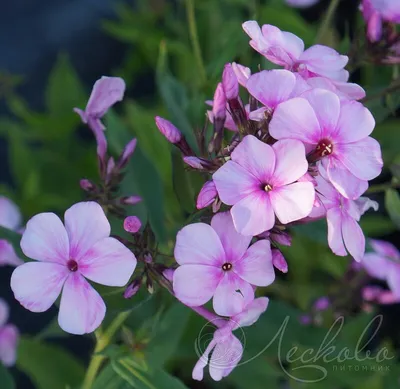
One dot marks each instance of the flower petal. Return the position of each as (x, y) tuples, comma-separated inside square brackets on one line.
[(256, 266), (355, 122), (9, 336), (251, 313), (198, 243), (36, 285), (353, 237), (81, 309), (394, 282), (256, 157), (86, 224), (291, 162), (194, 285), (335, 238), (271, 87), (362, 158), (376, 266), (234, 182), (326, 106), (232, 295), (108, 262), (295, 119), (8, 255), (293, 202), (254, 214), (45, 239), (384, 248), (10, 216), (234, 244), (343, 180)]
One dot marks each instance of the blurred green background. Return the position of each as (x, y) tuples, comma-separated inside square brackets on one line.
[(171, 55)]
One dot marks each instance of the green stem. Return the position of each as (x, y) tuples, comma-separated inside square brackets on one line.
[(103, 340), (327, 21), (194, 37)]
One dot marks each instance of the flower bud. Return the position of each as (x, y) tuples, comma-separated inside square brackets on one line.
[(230, 83), (219, 104), (131, 200), (207, 195), (282, 238), (322, 304), (166, 128), (279, 261), (169, 274), (127, 153), (132, 224), (305, 319), (86, 185), (132, 289), (148, 258), (198, 163)]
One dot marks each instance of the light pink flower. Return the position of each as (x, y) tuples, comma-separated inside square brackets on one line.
[(259, 182), (337, 132), (376, 12), (383, 263), (342, 214), (66, 256), (225, 348), (286, 49), (9, 336), (217, 261)]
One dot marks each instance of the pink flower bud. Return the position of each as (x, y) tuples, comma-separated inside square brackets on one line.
[(282, 238), (305, 319), (166, 128), (207, 195), (148, 258), (131, 200), (132, 224), (132, 289), (127, 153), (194, 162), (110, 167), (169, 274), (219, 104), (322, 304), (279, 261), (86, 185), (230, 83)]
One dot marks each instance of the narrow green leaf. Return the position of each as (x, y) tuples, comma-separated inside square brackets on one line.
[(6, 379), (392, 204)]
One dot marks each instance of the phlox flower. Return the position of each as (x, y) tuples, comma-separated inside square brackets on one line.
[(286, 49), (383, 263), (9, 336), (10, 218), (342, 215), (336, 132), (376, 12), (225, 348), (260, 182), (216, 261), (67, 256)]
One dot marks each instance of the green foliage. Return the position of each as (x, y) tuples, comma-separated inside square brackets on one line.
[(6, 379)]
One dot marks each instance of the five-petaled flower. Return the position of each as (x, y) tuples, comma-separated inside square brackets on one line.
[(66, 257)]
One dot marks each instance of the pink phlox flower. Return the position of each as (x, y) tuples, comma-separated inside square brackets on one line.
[(9, 336), (66, 256), (10, 218), (260, 182), (383, 263), (216, 261), (376, 12), (286, 49), (342, 215), (225, 348), (338, 133)]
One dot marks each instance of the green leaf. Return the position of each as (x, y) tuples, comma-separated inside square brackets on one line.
[(376, 225), (392, 204), (109, 379), (139, 375), (48, 366), (6, 379)]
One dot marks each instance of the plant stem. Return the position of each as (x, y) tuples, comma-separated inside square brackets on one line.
[(194, 37), (327, 21), (102, 341)]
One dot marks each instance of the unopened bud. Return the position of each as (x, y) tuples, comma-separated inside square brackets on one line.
[(110, 167), (230, 83), (282, 238), (219, 104), (132, 289), (207, 195), (127, 153), (148, 258), (169, 274), (132, 224), (131, 200), (279, 261), (322, 304), (305, 319), (198, 163), (86, 185), (166, 128)]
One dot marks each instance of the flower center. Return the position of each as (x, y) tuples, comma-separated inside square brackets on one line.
[(268, 187), (72, 265), (227, 266), (324, 148)]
